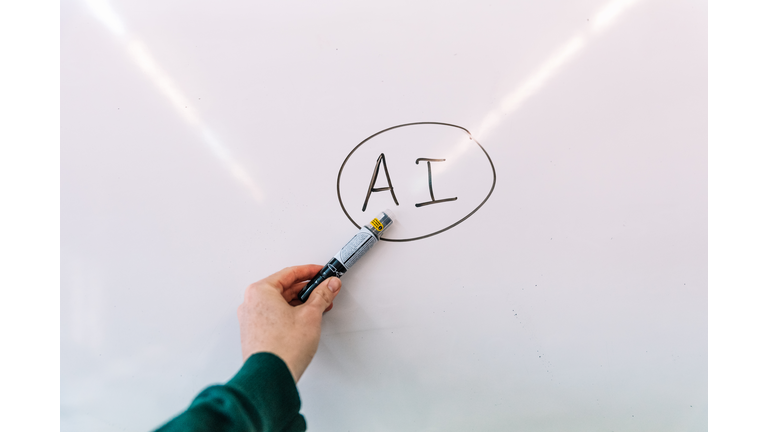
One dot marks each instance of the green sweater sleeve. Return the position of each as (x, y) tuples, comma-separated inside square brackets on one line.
[(261, 397)]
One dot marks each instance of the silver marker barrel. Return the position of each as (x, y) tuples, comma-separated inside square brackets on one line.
[(361, 243)]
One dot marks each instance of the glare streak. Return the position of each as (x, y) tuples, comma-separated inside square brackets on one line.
[(608, 14), (604, 18), (510, 103), (105, 14), (533, 84)]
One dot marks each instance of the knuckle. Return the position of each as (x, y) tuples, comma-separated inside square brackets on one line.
[(250, 292), (289, 271)]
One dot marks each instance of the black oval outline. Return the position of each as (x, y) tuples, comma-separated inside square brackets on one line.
[(338, 179)]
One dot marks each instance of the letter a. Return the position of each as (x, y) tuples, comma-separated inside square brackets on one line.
[(373, 181)]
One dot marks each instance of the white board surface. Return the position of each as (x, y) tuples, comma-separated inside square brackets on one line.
[(201, 147)]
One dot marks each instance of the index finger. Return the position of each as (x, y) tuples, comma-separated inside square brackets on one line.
[(288, 276)]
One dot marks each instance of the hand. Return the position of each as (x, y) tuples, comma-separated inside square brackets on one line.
[(273, 319)]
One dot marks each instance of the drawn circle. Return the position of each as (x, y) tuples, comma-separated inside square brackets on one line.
[(338, 179)]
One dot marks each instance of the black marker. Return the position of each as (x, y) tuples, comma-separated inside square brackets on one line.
[(368, 235)]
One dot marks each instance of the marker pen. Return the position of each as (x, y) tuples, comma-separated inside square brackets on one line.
[(368, 235)]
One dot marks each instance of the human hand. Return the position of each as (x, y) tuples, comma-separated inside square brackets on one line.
[(273, 319)]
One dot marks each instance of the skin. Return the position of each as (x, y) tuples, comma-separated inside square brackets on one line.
[(273, 319)]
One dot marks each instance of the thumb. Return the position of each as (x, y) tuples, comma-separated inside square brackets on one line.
[(322, 296)]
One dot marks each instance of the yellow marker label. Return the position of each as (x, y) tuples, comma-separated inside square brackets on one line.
[(377, 224)]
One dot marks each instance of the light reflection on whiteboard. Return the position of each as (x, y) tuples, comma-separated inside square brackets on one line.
[(105, 14), (512, 101)]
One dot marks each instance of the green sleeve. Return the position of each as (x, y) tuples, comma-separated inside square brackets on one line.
[(261, 397)]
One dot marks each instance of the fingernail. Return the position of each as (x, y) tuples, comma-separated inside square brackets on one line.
[(334, 284)]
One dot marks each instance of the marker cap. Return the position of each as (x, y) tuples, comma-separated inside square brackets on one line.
[(387, 218), (380, 223)]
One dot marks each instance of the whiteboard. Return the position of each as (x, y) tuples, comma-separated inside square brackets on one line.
[(202, 146)]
